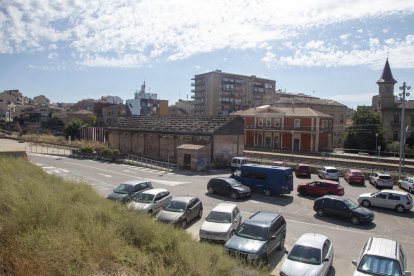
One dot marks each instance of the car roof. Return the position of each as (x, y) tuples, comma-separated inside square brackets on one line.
[(185, 199), (134, 182), (303, 165), (354, 170), (325, 181), (382, 247), (341, 198), (312, 240), (154, 191), (394, 192), (329, 168), (224, 207), (223, 178), (262, 218), (383, 174)]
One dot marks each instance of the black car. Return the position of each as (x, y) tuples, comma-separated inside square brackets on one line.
[(229, 187), (257, 237), (128, 189), (341, 207)]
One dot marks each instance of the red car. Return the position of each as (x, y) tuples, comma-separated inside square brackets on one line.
[(354, 176), (303, 170), (321, 187)]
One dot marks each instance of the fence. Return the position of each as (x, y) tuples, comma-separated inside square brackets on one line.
[(149, 163), (48, 149)]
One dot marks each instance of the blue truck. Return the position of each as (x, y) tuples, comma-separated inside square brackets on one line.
[(265, 178)]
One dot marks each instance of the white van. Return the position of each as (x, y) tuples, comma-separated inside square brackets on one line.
[(236, 162)]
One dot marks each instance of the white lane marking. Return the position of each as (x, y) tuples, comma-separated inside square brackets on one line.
[(254, 201), (164, 182), (106, 175), (94, 179)]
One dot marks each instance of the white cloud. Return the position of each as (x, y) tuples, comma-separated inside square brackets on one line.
[(315, 44), (344, 37), (374, 42), (53, 56), (128, 33)]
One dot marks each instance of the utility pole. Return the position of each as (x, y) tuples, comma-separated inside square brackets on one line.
[(404, 93)]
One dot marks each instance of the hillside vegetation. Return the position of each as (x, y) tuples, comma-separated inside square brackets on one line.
[(49, 226)]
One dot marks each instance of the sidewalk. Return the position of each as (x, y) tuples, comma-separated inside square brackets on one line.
[(10, 147)]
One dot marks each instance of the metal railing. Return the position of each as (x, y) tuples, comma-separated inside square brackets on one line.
[(48, 149), (149, 163)]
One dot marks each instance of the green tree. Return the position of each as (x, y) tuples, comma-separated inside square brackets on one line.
[(72, 128), (53, 123), (361, 135), (90, 120)]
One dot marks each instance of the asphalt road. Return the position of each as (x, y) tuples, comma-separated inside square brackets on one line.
[(347, 238)]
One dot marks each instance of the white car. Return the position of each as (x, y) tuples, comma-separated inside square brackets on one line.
[(151, 200), (407, 184), (381, 180), (221, 223), (329, 173), (397, 200), (312, 255)]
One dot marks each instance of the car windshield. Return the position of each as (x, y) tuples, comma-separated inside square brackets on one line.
[(384, 177), (357, 174), (175, 206), (305, 254), (143, 198), (219, 217), (332, 170), (376, 265), (233, 182), (350, 204), (123, 189), (252, 232)]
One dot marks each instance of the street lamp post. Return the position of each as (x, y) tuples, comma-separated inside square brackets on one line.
[(376, 147), (403, 94)]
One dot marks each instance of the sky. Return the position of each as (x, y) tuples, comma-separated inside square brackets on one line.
[(70, 50)]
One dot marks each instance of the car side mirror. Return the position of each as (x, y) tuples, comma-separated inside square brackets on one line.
[(286, 251), (326, 260), (354, 262)]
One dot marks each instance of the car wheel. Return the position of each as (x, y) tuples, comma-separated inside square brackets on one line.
[(210, 190), (399, 185), (400, 209), (267, 192), (233, 195), (150, 212), (281, 245), (355, 220), (366, 203), (320, 212), (200, 213), (184, 224), (410, 190), (376, 185)]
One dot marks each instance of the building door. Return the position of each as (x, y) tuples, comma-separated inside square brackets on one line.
[(296, 144), (187, 161), (268, 142)]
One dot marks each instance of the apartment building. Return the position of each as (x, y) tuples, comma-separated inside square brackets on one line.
[(218, 94), (146, 104), (290, 128)]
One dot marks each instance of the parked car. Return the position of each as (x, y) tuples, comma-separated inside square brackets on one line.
[(181, 210), (397, 200), (128, 189), (381, 180), (311, 255), (228, 186), (343, 208), (329, 173), (354, 176), (321, 187), (221, 223), (407, 184), (303, 170), (237, 161), (150, 201), (381, 256), (257, 237)]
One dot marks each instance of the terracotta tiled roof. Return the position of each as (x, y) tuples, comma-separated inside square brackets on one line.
[(190, 147), (287, 111), (182, 124), (386, 76), (307, 100)]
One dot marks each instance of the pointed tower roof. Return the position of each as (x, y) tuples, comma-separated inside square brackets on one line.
[(386, 77)]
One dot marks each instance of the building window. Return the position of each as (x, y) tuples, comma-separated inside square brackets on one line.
[(268, 85), (260, 122), (268, 122), (277, 122), (297, 123), (395, 135), (396, 118)]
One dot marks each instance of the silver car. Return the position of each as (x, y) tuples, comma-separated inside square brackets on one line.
[(311, 255), (397, 200), (381, 180), (407, 184), (221, 223), (329, 173), (150, 201), (181, 210)]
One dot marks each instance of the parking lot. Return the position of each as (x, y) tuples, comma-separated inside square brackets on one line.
[(347, 239)]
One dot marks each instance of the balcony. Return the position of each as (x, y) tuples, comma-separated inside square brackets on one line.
[(193, 84)]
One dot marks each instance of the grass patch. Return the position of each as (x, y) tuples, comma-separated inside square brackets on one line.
[(49, 226)]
